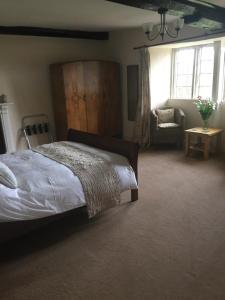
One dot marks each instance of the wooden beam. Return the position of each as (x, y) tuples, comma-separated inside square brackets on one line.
[(196, 38), (215, 12), (202, 12), (144, 4), (50, 32)]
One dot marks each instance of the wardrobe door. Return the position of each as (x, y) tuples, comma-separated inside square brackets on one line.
[(89, 98), (74, 83), (111, 99), (92, 95)]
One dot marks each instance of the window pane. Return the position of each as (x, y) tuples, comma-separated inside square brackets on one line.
[(205, 80), (204, 74), (207, 52), (183, 73), (205, 92), (193, 80), (183, 93), (206, 66)]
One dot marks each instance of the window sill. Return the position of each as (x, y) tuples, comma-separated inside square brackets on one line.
[(178, 99)]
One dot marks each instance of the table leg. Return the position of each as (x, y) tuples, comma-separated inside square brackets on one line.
[(187, 143), (219, 143), (206, 148)]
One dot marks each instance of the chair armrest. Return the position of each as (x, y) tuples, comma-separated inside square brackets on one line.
[(180, 116), (181, 113), (154, 120)]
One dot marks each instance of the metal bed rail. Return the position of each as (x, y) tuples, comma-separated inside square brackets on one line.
[(36, 125)]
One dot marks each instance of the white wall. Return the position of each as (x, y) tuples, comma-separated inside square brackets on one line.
[(160, 75), (120, 47), (24, 72), (193, 117)]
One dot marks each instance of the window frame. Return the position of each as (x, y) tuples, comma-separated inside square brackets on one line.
[(223, 79), (197, 49)]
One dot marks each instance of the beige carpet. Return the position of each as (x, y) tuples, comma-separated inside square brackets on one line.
[(169, 245)]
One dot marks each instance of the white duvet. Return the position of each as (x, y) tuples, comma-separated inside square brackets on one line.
[(46, 187)]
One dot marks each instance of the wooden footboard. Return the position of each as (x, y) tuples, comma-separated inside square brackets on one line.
[(9, 230), (125, 148)]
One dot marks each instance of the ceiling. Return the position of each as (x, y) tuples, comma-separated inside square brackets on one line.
[(102, 16), (86, 15), (205, 14)]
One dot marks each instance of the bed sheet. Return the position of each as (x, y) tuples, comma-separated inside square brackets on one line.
[(46, 187)]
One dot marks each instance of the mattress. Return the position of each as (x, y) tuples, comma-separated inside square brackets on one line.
[(46, 187)]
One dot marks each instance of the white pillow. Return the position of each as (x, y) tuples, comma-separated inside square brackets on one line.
[(7, 177), (166, 115)]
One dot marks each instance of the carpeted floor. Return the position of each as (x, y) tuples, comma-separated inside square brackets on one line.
[(168, 245)]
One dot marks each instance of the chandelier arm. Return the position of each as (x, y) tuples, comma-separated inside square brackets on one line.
[(171, 34), (163, 29), (163, 25), (153, 37), (157, 33)]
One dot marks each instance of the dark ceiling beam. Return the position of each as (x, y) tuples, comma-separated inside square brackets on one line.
[(49, 32), (189, 19), (152, 4), (212, 12), (215, 13), (194, 39)]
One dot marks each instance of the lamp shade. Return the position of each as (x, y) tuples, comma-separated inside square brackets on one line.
[(171, 29), (147, 27), (179, 23)]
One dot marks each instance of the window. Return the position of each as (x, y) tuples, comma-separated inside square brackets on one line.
[(193, 72), (223, 80)]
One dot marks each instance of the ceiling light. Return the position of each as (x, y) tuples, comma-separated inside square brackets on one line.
[(153, 31)]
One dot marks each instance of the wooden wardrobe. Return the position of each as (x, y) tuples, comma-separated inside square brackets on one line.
[(87, 97)]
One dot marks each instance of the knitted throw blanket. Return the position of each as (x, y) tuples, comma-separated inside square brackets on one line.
[(100, 182)]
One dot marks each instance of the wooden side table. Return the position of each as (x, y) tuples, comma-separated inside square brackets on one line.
[(204, 138)]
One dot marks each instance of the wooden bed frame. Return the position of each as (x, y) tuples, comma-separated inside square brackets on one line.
[(9, 230)]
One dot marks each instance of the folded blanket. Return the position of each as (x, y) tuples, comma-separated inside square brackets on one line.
[(100, 182)]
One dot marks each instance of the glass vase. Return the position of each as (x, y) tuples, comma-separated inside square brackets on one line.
[(205, 124)]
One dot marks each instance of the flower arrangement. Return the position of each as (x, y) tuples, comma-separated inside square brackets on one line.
[(205, 108)]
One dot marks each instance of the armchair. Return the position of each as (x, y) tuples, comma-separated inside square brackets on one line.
[(167, 131)]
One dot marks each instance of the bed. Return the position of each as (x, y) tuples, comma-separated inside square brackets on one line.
[(49, 190)]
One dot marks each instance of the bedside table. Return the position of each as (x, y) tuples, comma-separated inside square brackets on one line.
[(204, 136)]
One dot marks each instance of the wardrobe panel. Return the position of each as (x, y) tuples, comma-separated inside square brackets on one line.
[(92, 96), (74, 83), (111, 94), (87, 97)]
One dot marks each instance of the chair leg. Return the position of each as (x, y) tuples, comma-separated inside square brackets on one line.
[(134, 195)]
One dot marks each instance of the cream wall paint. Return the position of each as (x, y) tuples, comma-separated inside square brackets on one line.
[(24, 73), (193, 117), (121, 46), (160, 75)]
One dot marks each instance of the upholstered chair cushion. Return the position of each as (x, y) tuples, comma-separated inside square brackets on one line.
[(165, 115), (168, 125)]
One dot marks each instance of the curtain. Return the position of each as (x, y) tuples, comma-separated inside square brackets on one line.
[(142, 125)]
